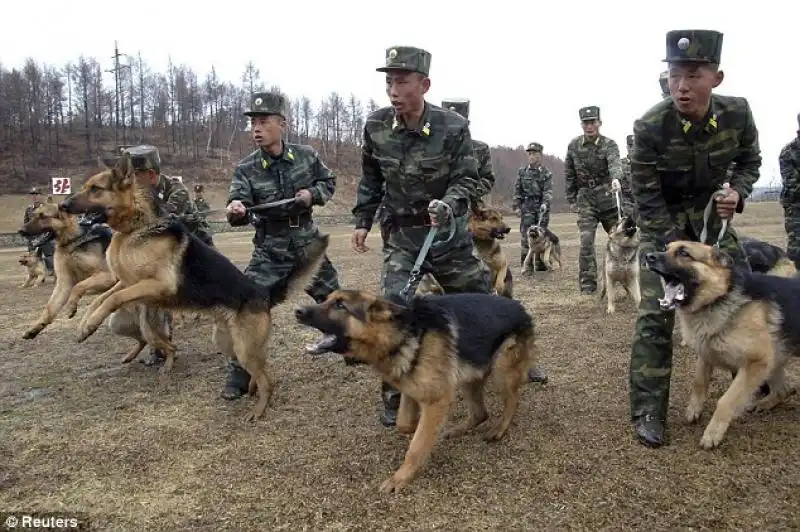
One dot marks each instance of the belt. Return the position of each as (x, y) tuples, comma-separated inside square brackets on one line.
[(302, 221), (411, 220)]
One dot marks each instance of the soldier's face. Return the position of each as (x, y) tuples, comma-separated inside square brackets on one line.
[(406, 90), (36, 198), (534, 157), (266, 130), (690, 86), (148, 178), (590, 127)]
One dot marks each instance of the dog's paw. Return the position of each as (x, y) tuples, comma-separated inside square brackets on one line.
[(394, 483), (713, 435), (71, 311), (693, 411), (32, 333), (85, 331), (495, 432), (611, 310)]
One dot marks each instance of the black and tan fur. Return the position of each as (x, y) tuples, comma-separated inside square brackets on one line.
[(767, 258), (37, 273), (621, 263), (429, 350), (487, 227), (543, 244), (748, 323), (157, 262)]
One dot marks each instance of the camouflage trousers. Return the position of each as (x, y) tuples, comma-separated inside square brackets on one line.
[(595, 206), (45, 253), (651, 354), (527, 218), (791, 221), (275, 257)]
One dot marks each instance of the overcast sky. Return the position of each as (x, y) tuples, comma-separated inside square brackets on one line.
[(527, 67)]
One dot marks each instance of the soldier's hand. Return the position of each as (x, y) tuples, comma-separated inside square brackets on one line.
[(727, 200), (437, 208), (236, 209), (358, 241), (615, 185), (305, 197)]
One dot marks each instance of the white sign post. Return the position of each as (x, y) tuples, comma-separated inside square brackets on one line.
[(61, 185)]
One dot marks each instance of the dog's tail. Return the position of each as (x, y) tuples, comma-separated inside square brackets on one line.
[(784, 268), (302, 273)]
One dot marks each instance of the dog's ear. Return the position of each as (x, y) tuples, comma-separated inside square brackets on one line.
[(722, 258), (383, 311), (102, 164), (123, 172)]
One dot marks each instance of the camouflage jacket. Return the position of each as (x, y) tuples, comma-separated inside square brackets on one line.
[(533, 186), (789, 161), (202, 205), (260, 178), (29, 211), (677, 166), (412, 167), (590, 164), (172, 197), (625, 183), (483, 156)]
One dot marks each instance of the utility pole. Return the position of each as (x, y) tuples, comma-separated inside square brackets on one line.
[(118, 94)]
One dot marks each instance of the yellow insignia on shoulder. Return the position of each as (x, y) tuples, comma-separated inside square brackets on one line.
[(264, 163), (426, 129), (290, 155), (394, 123), (686, 125), (713, 121)]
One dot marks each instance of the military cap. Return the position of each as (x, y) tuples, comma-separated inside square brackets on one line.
[(696, 46), (589, 113), (34, 190), (534, 146), (629, 140), (407, 58), (268, 103), (459, 105), (144, 157), (198, 188)]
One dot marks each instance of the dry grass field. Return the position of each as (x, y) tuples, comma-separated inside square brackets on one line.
[(80, 432)]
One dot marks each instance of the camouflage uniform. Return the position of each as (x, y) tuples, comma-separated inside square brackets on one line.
[(590, 167), (625, 182), (663, 80), (200, 204), (533, 188), (171, 198), (789, 161), (47, 248), (282, 233), (407, 168), (676, 167)]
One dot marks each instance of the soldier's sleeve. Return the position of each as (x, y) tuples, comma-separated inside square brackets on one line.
[(241, 190), (518, 190), (748, 160), (654, 219), (570, 179), (27, 215), (370, 188), (790, 177), (179, 201), (324, 183), (463, 173), (627, 193), (547, 188), (486, 177), (614, 165)]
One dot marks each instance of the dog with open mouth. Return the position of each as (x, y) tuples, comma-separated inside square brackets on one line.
[(747, 323), (621, 263), (429, 350), (544, 246)]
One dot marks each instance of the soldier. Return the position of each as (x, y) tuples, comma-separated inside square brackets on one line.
[(171, 198), (418, 159), (789, 161), (200, 203), (592, 169), (625, 182), (533, 191), (663, 80), (278, 170), (682, 150), (47, 247)]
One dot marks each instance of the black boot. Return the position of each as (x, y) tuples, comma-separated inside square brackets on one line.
[(238, 382), (156, 358), (649, 430), (391, 403), (537, 375)]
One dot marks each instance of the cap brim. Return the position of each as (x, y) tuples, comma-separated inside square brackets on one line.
[(589, 119), (395, 69), (259, 113), (687, 60)]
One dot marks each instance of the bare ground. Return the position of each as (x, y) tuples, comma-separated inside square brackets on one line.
[(83, 433)]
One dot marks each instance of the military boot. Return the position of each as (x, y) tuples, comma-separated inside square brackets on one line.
[(238, 382), (391, 404), (649, 430), (537, 375)]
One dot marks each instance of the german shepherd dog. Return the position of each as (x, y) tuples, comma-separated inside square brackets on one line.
[(748, 323), (621, 263), (487, 228), (157, 262), (767, 258), (543, 244), (429, 350), (37, 273)]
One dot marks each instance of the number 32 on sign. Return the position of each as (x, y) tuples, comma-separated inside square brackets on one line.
[(61, 185)]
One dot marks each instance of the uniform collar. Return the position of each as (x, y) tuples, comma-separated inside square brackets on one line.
[(596, 140), (425, 131), (708, 123), (287, 154)]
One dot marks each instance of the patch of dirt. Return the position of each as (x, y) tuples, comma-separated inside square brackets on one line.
[(108, 440)]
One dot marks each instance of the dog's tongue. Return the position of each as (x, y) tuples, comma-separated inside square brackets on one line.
[(323, 345), (673, 294)]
